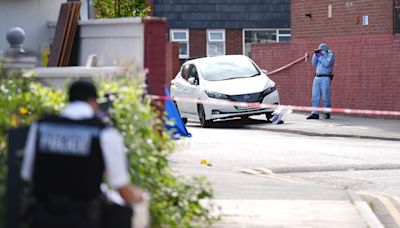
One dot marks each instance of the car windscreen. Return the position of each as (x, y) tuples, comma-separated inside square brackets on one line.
[(228, 68)]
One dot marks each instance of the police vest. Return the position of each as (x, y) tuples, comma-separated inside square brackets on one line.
[(68, 159)]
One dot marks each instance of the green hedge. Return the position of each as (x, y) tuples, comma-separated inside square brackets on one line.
[(175, 199)]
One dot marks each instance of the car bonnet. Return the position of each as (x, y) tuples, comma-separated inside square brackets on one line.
[(240, 85)]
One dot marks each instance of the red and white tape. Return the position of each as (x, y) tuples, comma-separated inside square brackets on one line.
[(305, 57), (271, 106)]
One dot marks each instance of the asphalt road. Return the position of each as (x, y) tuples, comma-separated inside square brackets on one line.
[(367, 166)]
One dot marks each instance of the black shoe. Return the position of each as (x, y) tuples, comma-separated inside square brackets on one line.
[(327, 116), (313, 117)]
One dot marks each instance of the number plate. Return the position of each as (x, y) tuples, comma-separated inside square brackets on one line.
[(242, 107), (250, 106)]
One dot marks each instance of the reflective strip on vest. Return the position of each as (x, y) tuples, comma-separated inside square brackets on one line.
[(72, 140)]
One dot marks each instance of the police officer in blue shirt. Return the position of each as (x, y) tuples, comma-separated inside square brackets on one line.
[(323, 60), (65, 159)]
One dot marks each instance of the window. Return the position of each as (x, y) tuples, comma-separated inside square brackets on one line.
[(189, 71), (185, 71), (181, 36), (252, 36), (283, 35), (396, 19), (193, 74), (215, 42)]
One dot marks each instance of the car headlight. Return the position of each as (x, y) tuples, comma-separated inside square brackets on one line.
[(216, 95), (268, 90)]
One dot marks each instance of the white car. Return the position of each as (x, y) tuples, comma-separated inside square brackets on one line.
[(210, 88)]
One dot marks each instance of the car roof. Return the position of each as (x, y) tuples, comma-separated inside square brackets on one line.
[(217, 58)]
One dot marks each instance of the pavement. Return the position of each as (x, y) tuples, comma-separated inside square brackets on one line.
[(337, 126), (276, 200)]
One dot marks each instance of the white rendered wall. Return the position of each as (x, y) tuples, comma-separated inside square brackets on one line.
[(32, 16), (115, 42)]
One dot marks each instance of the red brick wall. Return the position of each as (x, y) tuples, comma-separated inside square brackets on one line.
[(367, 70), (233, 41), (155, 39), (172, 61), (346, 19), (197, 43)]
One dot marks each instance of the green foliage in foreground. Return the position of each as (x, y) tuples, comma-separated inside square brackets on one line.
[(175, 200), (21, 102)]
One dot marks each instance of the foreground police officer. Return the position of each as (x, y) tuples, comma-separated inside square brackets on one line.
[(65, 157)]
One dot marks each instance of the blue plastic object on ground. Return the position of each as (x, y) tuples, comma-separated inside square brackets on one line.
[(174, 123)]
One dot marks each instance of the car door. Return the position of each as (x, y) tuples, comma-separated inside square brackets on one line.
[(192, 91), (179, 86)]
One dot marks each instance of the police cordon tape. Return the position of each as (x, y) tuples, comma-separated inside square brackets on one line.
[(305, 57), (250, 106)]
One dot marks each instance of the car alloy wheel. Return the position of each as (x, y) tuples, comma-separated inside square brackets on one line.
[(202, 117)]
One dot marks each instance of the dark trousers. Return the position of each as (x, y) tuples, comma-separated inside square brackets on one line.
[(62, 212), (66, 213)]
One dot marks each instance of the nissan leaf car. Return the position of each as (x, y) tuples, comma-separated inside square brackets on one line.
[(220, 87)]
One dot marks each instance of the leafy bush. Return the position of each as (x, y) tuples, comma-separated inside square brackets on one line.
[(175, 199), (21, 101), (121, 8)]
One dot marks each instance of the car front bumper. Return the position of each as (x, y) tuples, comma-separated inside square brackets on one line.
[(220, 109)]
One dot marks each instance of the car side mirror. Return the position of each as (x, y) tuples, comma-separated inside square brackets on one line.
[(264, 71), (191, 80)]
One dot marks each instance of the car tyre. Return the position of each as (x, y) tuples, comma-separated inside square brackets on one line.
[(268, 115), (202, 117)]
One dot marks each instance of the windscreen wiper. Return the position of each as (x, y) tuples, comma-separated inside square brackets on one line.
[(240, 77)]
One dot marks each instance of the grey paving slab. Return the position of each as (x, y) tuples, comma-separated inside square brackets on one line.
[(337, 126), (249, 201), (289, 213)]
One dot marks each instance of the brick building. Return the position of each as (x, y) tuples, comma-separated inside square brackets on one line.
[(364, 36), (218, 27)]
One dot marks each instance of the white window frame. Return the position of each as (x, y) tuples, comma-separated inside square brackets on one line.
[(186, 31), (278, 35), (208, 40)]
